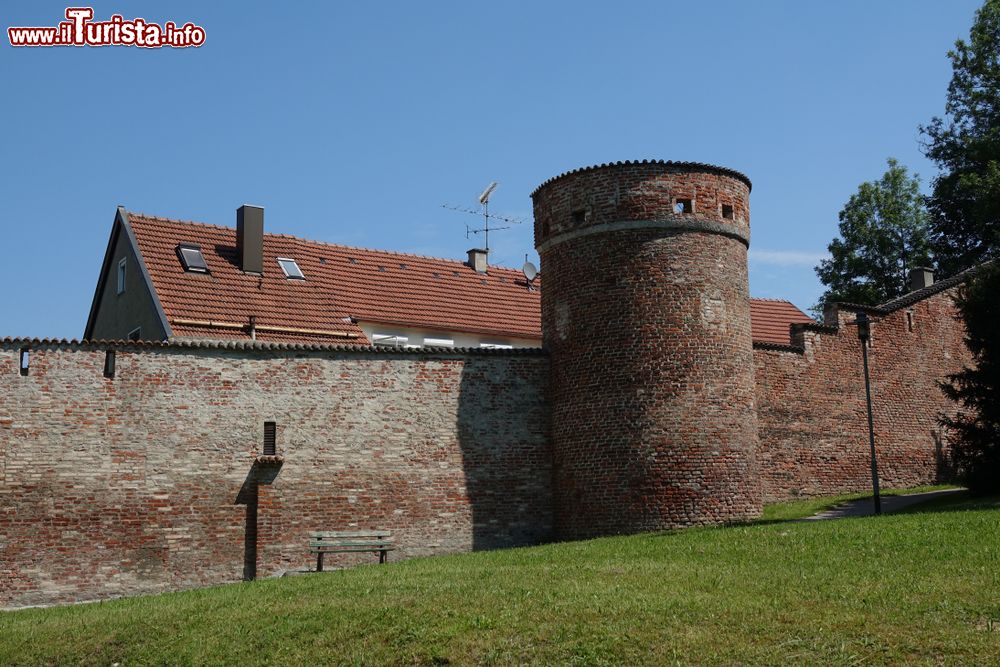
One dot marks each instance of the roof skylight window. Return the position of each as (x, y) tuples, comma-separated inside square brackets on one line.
[(291, 269), (191, 258)]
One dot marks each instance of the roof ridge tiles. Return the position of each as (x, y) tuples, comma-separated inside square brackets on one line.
[(762, 298), (397, 253)]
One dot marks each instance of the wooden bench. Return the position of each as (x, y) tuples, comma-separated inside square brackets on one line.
[(329, 542)]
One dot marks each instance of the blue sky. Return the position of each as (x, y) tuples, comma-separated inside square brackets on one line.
[(354, 122)]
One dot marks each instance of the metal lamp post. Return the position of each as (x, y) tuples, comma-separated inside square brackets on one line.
[(865, 333)]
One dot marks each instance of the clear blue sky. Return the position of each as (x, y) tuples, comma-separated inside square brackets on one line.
[(353, 122)]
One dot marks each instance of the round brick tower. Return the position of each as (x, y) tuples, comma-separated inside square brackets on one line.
[(646, 314)]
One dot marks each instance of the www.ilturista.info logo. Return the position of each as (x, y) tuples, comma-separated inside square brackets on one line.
[(81, 30)]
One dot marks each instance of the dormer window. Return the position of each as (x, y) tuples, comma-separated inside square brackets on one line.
[(291, 269), (191, 258)]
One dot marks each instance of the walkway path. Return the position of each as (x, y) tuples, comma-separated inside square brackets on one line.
[(866, 507)]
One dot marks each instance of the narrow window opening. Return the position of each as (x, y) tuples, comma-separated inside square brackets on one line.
[(909, 320), (545, 229), (579, 216), (25, 362), (191, 258), (135, 334), (270, 438), (727, 211), (291, 269), (121, 275), (683, 206), (109, 364)]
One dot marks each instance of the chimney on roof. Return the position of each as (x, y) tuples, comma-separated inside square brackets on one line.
[(250, 238), (477, 259), (921, 277)]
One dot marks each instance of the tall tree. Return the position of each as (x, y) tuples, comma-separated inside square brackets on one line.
[(976, 430), (883, 234), (965, 205)]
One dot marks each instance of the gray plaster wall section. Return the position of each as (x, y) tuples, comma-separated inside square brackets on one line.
[(119, 314)]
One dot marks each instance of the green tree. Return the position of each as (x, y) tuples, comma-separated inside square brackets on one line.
[(976, 430), (883, 234), (965, 204)]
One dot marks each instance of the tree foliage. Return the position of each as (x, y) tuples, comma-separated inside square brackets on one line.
[(883, 234), (976, 430), (965, 205)]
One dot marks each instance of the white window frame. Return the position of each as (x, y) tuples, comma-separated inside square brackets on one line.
[(122, 265), (390, 340), (496, 346), (281, 260), (433, 341)]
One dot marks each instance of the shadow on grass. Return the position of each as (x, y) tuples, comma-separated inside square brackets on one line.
[(962, 501)]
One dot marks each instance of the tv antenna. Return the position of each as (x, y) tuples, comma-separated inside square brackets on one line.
[(484, 201)]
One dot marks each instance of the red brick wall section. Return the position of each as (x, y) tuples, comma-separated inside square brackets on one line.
[(139, 483), (645, 313), (813, 424)]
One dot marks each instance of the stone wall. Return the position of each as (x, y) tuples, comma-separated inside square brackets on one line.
[(152, 480), (811, 400)]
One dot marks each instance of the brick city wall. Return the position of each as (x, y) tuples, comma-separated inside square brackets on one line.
[(149, 481), (811, 402)]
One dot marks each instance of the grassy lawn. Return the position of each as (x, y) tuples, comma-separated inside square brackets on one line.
[(913, 588)]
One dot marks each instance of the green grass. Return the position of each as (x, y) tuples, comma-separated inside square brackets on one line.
[(797, 509), (914, 588)]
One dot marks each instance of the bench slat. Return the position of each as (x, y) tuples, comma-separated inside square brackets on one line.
[(355, 533), (349, 550), (370, 545)]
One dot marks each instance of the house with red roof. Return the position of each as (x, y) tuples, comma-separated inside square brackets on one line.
[(165, 279)]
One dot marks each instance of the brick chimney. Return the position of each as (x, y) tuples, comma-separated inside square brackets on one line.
[(477, 259), (921, 277), (250, 238)]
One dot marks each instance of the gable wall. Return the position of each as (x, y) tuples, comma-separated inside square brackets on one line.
[(118, 314)]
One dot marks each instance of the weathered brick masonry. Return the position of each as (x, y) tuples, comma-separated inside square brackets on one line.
[(811, 401), (145, 482), (646, 314), (651, 408)]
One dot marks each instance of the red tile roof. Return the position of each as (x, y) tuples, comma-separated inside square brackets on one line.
[(770, 319), (344, 283), (341, 283)]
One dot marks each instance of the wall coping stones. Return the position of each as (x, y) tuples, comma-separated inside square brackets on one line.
[(262, 346), (692, 166)]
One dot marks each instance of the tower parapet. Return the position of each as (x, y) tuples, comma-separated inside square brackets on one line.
[(646, 314)]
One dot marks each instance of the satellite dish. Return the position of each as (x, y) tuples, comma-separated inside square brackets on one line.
[(529, 271), (485, 197)]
